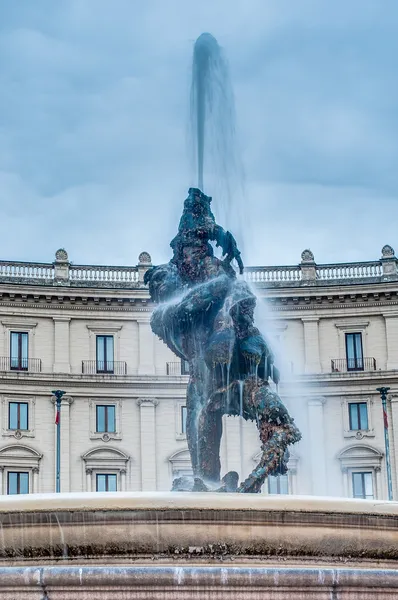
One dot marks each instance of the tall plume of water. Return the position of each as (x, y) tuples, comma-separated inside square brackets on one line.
[(213, 133)]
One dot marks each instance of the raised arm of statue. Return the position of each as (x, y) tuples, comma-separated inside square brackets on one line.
[(227, 242)]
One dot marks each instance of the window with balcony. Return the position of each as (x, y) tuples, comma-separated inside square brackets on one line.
[(354, 352), (106, 482), (19, 351), (18, 416), (184, 367), (104, 361), (17, 482), (362, 485), (278, 484), (358, 416), (105, 418)]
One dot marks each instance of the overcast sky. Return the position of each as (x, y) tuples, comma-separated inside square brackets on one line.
[(93, 119)]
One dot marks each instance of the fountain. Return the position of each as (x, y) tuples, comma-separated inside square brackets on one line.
[(237, 544)]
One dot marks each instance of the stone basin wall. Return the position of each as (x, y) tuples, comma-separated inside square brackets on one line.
[(151, 546)]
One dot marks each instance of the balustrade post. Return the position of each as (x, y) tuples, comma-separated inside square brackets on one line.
[(308, 267), (144, 263), (61, 268), (389, 263)]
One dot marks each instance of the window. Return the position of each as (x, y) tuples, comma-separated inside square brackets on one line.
[(106, 482), (184, 420), (184, 367), (353, 345), (362, 485), (105, 354), (19, 351), (105, 418), (18, 415), (17, 483), (358, 413), (278, 484)]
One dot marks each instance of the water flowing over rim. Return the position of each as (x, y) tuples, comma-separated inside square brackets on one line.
[(162, 501)]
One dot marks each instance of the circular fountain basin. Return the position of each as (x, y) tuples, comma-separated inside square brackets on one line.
[(198, 546)]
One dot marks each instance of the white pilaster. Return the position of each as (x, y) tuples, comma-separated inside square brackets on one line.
[(391, 321), (2, 490), (65, 443), (89, 476), (35, 480), (146, 364), (316, 430), (311, 344), (148, 443), (61, 345), (123, 486)]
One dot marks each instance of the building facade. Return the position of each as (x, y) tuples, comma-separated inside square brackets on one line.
[(86, 330)]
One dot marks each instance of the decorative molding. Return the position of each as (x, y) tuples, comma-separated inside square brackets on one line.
[(352, 324), (150, 401), (18, 324)]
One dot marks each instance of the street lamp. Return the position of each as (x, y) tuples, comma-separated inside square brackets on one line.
[(383, 394), (58, 399)]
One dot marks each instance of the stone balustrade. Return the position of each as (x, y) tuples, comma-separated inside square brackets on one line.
[(62, 272)]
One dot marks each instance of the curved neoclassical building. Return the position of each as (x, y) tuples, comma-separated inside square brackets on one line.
[(85, 329)]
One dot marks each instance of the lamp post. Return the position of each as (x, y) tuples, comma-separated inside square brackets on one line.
[(58, 399), (383, 394)]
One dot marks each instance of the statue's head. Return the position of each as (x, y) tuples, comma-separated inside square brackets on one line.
[(163, 281), (197, 202)]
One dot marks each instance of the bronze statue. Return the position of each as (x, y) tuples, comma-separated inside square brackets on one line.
[(206, 316)]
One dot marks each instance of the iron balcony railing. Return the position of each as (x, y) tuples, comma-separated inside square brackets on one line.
[(97, 367), (177, 368), (344, 365), (30, 365)]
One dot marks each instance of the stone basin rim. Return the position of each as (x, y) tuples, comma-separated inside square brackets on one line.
[(180, 501)]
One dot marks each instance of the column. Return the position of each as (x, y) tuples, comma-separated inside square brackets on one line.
[(148, 443), (123, 487), (391, 321), (65, 443), (61, 345), (393, 433), (146, 363), (311, 345), (316, 432), (380, 492), (35, 480), (89, 476), (2, 491)]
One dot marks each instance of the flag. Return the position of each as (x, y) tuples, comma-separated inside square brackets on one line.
[(385, 418), (57, 416)]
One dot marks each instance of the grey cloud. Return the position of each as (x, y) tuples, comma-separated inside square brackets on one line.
[(93, 118)]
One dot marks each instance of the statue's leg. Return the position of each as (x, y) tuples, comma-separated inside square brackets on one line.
[(193, 400), (209, 437)]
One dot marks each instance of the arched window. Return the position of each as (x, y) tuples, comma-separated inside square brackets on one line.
[(19, 469), (361, 466), (105, 469), (180, 464)]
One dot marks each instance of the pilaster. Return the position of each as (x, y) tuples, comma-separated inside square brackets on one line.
[(316, 430), (146, 364), (148, 443), (61, 345), (311, 344), (391, 321)]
